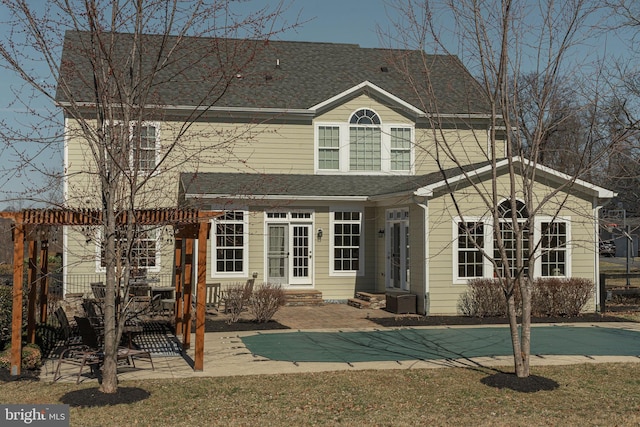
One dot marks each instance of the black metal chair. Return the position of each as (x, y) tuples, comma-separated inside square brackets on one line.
[(76, 353), (91, 339)]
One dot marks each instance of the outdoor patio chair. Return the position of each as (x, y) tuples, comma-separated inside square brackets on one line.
[(69, 333), (246, 294), (94, 314), (77, 354), (212, 297), (99, 290), (91, 340)]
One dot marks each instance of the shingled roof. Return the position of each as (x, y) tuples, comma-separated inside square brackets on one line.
[(242, 185), (274, 74)]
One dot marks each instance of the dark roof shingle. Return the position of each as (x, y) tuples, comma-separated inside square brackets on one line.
[(209, 184), (308, 73)]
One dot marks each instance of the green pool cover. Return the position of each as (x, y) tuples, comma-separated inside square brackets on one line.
[(431, 344)]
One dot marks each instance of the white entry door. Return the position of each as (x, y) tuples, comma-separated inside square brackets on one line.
[(289, 254)]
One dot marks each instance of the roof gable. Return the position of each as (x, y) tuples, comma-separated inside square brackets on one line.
[(502, 165)]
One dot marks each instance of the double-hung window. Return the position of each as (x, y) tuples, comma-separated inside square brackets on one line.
[(364, 144), (143, 252), (347, 242), (144, 146), (329, 147), (139, 145), (231, 243), (470, 243), (400, 149), (553, 247), (510, 232)]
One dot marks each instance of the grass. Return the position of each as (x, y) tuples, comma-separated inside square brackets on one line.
[(587, 394)]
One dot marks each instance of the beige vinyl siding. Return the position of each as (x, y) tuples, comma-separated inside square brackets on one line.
[(462, 145), (342, 112), (444, 294), (251, 148)]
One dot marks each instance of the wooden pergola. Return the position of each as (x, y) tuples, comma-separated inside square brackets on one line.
[(32, 226)]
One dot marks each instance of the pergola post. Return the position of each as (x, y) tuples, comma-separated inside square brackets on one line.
[(203, 233), (16, 319), (179, 286), (187, 289), (44, 279), (33, 290)]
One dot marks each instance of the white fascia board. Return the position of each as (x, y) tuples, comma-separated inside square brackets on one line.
[(251, 110), (603, 193), (461, 116), (277, 197), (371, 86)]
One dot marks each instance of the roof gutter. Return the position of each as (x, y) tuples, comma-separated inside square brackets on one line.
[(276, 197), (187, 108)]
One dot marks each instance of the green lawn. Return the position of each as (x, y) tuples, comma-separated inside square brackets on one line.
[(588, 394)]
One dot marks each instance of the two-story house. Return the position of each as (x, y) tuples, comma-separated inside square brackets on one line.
[(338, 178)]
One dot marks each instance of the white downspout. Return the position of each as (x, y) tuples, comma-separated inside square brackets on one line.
[(425, 218), (596, 233)]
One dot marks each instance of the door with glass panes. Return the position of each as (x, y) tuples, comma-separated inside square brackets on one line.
[(289, 253), (397, 243)]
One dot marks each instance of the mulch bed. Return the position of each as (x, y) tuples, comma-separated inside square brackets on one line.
[(211, 325), (416, 320)]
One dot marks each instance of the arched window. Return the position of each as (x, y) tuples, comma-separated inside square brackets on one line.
[(364, 117), (509, 237), (365, 141)]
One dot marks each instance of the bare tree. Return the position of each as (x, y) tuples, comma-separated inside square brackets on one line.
[(119, 61), (523, 54)]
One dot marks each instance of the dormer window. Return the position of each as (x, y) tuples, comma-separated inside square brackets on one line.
[(364, 144)]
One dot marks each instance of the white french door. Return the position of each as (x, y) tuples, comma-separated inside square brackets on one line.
[(289, 253), (397, 243)]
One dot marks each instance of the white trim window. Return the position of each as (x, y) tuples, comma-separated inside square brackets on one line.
[(471, 235), (329, 147), (144, 143), (145, 146), (509, 238), (144, 251), (554, 248), (553, 251), (230, 244), (364, 144), (471, 238), (347, 242)]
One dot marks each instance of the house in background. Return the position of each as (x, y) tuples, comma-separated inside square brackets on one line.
[(326, 165)]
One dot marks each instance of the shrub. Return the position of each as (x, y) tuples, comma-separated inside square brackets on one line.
[(31, 357), (557, 296), (265, 301), (550, 296), (235, 300), (6, 307), (483, 298)]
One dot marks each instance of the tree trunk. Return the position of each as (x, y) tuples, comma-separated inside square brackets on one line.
[(525, 335), (110, 368), (514, 328)]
